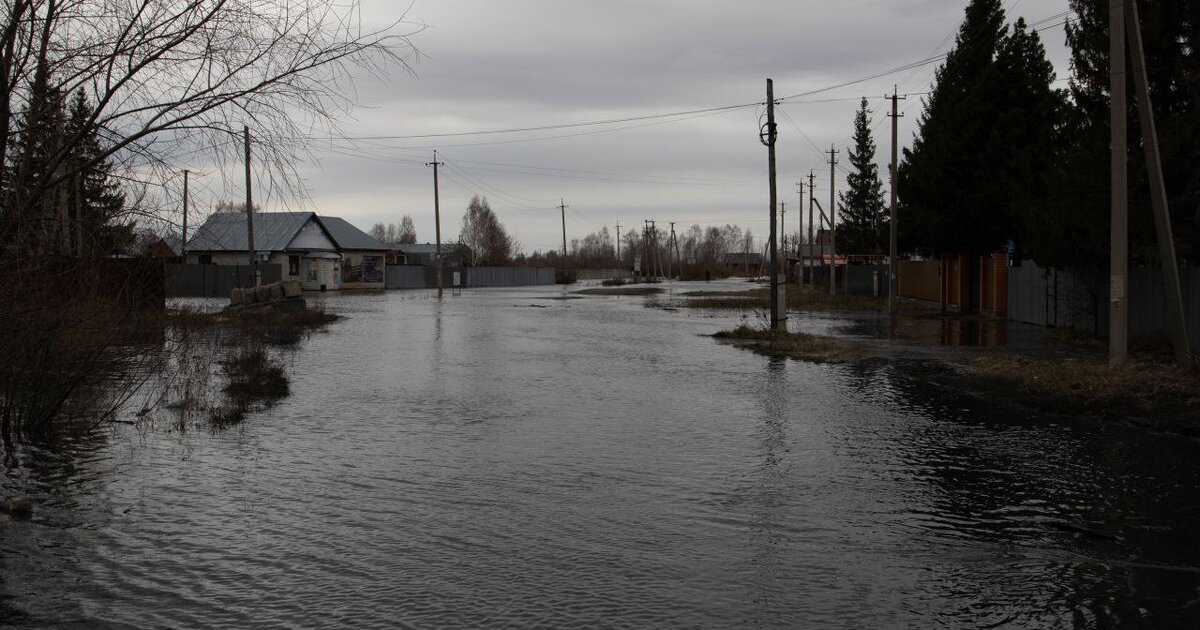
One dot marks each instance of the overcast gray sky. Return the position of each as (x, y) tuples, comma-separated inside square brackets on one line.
[(491, 65)]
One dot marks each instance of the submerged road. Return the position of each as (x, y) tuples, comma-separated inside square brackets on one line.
[(503, 459)]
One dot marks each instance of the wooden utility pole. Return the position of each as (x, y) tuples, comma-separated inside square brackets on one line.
[(812, 198), (1118, 309), (437, 223), (832, 221), (675, 242), (562, 205), (893, 233), (783, 237), (1176, 322), (768, 136), (618, 243), (183, 237), (250, 210)]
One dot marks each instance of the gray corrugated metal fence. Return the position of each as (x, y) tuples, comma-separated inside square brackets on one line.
[(1073, 299), (185, 280), (407, 277), (508, 276), (421, 277), (601, 274)]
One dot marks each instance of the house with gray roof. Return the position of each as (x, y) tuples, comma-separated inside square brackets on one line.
[(453, 254), (323, 253)]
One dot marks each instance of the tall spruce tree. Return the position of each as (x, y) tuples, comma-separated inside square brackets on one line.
[(944, 180), (861, 207), (1027, 138), (94, 196)]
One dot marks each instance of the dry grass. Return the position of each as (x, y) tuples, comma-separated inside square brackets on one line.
[(795, 345), (1146, 387), (273, 325), (799, 298)]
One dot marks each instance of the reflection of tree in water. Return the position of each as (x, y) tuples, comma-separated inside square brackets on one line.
[(1087, 519)]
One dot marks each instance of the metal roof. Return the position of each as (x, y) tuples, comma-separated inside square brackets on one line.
[(348, 237), (421, 248), (274, 231), (226, 231)]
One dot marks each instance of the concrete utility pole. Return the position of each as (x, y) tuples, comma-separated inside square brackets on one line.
[(832, 221), (437, 223), (183, 237), (250, 210), (812, 197), (562, 205), (768, 136), (1118, 309), (1176, 323), (893, 233), (800, 228)]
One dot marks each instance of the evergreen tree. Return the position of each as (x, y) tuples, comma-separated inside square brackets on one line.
[(861, 207), (944, 180), (1027, 137), (94, 196), (1078, 232)]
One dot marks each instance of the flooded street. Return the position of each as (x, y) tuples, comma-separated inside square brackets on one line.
[(505, 459)]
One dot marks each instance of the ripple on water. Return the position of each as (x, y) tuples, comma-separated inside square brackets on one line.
[(466, 464)]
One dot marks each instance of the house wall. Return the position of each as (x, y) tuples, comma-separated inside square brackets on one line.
[(364, 270), (321, 274)]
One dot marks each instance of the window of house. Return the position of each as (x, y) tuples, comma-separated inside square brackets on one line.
[(293, 266)]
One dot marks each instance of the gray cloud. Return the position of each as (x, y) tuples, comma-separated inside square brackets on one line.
[(520, 63)]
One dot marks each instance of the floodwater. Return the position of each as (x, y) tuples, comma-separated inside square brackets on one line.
[(500, 459)]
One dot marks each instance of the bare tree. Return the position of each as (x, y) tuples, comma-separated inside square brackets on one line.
[(169, 83), (408, 232), (379, 232), (484, 235), (173, 79)]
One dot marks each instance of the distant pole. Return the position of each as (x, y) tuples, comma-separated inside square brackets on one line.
[(677, 256), (618, 243), (437, 223), (1176, 323), (250, 210), (800, 228), (812, 198), (768, 135), (562, 205), (1118, 326), (893, 232), (183, 238), (783, 237), (832, 221)]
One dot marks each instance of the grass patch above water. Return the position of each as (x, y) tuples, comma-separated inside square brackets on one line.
[(622, 291), (1145, 388), (799, 298), (796, 345)]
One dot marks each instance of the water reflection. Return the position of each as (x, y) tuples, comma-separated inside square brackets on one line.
[(467, 463)]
